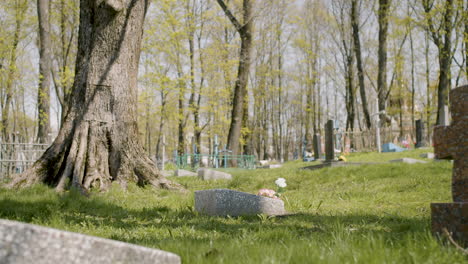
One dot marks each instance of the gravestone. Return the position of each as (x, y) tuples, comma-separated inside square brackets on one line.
[(408, 161), (451, 142), (224, 202), (420, 132), (428, 155), (329, 144), (207, 174), (317, 146), (185, 173), (272, 166), (22, 243)]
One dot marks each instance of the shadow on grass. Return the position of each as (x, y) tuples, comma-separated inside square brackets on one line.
[(73, 209)]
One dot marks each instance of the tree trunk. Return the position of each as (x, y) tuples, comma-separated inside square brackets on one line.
[(45, 66), (20, 9), (384, 6), (245, 32), (98, 142), (357, 52)]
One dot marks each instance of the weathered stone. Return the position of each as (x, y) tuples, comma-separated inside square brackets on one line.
[(272, 166), (207, 174), (427, 155), (224, 202), (453, 217), (167, 173), (185, 173), (263, 162), (22, 243), (451, 142), (317, 146), (329, 142), (408, 161), (420, 134)]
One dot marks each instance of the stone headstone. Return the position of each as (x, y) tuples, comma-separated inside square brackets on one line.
[(185, 173), (207, 174), (272, 166), (451, 142), (166, 173), (224, 202), (263, 162), (427, 155), (22, 243), (420, 132), (408, 161), (329, 144), (317, 146)]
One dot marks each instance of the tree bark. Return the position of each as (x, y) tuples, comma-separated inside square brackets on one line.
[(45, 67), (98, 142), (245, 32), (384, 6), (357, 52)]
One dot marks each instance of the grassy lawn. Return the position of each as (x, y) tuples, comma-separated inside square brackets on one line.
[(360, 214)]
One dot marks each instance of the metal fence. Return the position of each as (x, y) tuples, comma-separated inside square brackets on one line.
[(215, 161), (18, 157)]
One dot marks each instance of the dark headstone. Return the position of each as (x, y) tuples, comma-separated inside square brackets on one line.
[(317, 146), (451, 142), (420, 142), (329, 144)]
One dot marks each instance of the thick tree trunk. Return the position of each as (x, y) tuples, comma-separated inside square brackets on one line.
[(45, 66), (98, 142), (384, 6), (357, 52)]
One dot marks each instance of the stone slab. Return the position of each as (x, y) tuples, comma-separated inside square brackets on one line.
[(272, 166), (167, 173), (408, 161), (334, 164), (207, 174), (185, 173), (224, 202), (22, 243), (428, 155), (453, 217)]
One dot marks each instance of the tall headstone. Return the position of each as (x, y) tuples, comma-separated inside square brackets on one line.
[(420, 142), (450, 142), (317, 146), (329, 144)]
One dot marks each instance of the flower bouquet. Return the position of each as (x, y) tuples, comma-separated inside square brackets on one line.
[(280, 183)]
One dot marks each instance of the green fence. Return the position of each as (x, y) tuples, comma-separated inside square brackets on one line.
[(215, 161)]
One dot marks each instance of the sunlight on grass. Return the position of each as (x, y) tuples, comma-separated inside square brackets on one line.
[(360, 214)]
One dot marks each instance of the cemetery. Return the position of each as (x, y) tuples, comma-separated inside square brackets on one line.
[(215, 131)]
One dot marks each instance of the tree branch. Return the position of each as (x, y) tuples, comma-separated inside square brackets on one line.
[(231, 17)]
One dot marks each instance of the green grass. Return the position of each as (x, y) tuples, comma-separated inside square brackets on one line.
[(359, 214)]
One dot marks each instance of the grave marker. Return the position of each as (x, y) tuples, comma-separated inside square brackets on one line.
[(329, 144), (22, 243), (420, 142), (451, 142), (317, 146)]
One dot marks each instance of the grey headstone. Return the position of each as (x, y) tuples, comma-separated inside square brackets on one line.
[(166, 173), (427, 155), (420, 134), (317, 146), (22, 243), (223, 202), (329, 144), (185, 173), (207, 174), (409, 161), (272, 166)]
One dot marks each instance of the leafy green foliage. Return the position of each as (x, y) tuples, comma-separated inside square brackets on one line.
[(361, 214)]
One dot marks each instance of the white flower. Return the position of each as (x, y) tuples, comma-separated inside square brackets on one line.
[(281, 182)]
